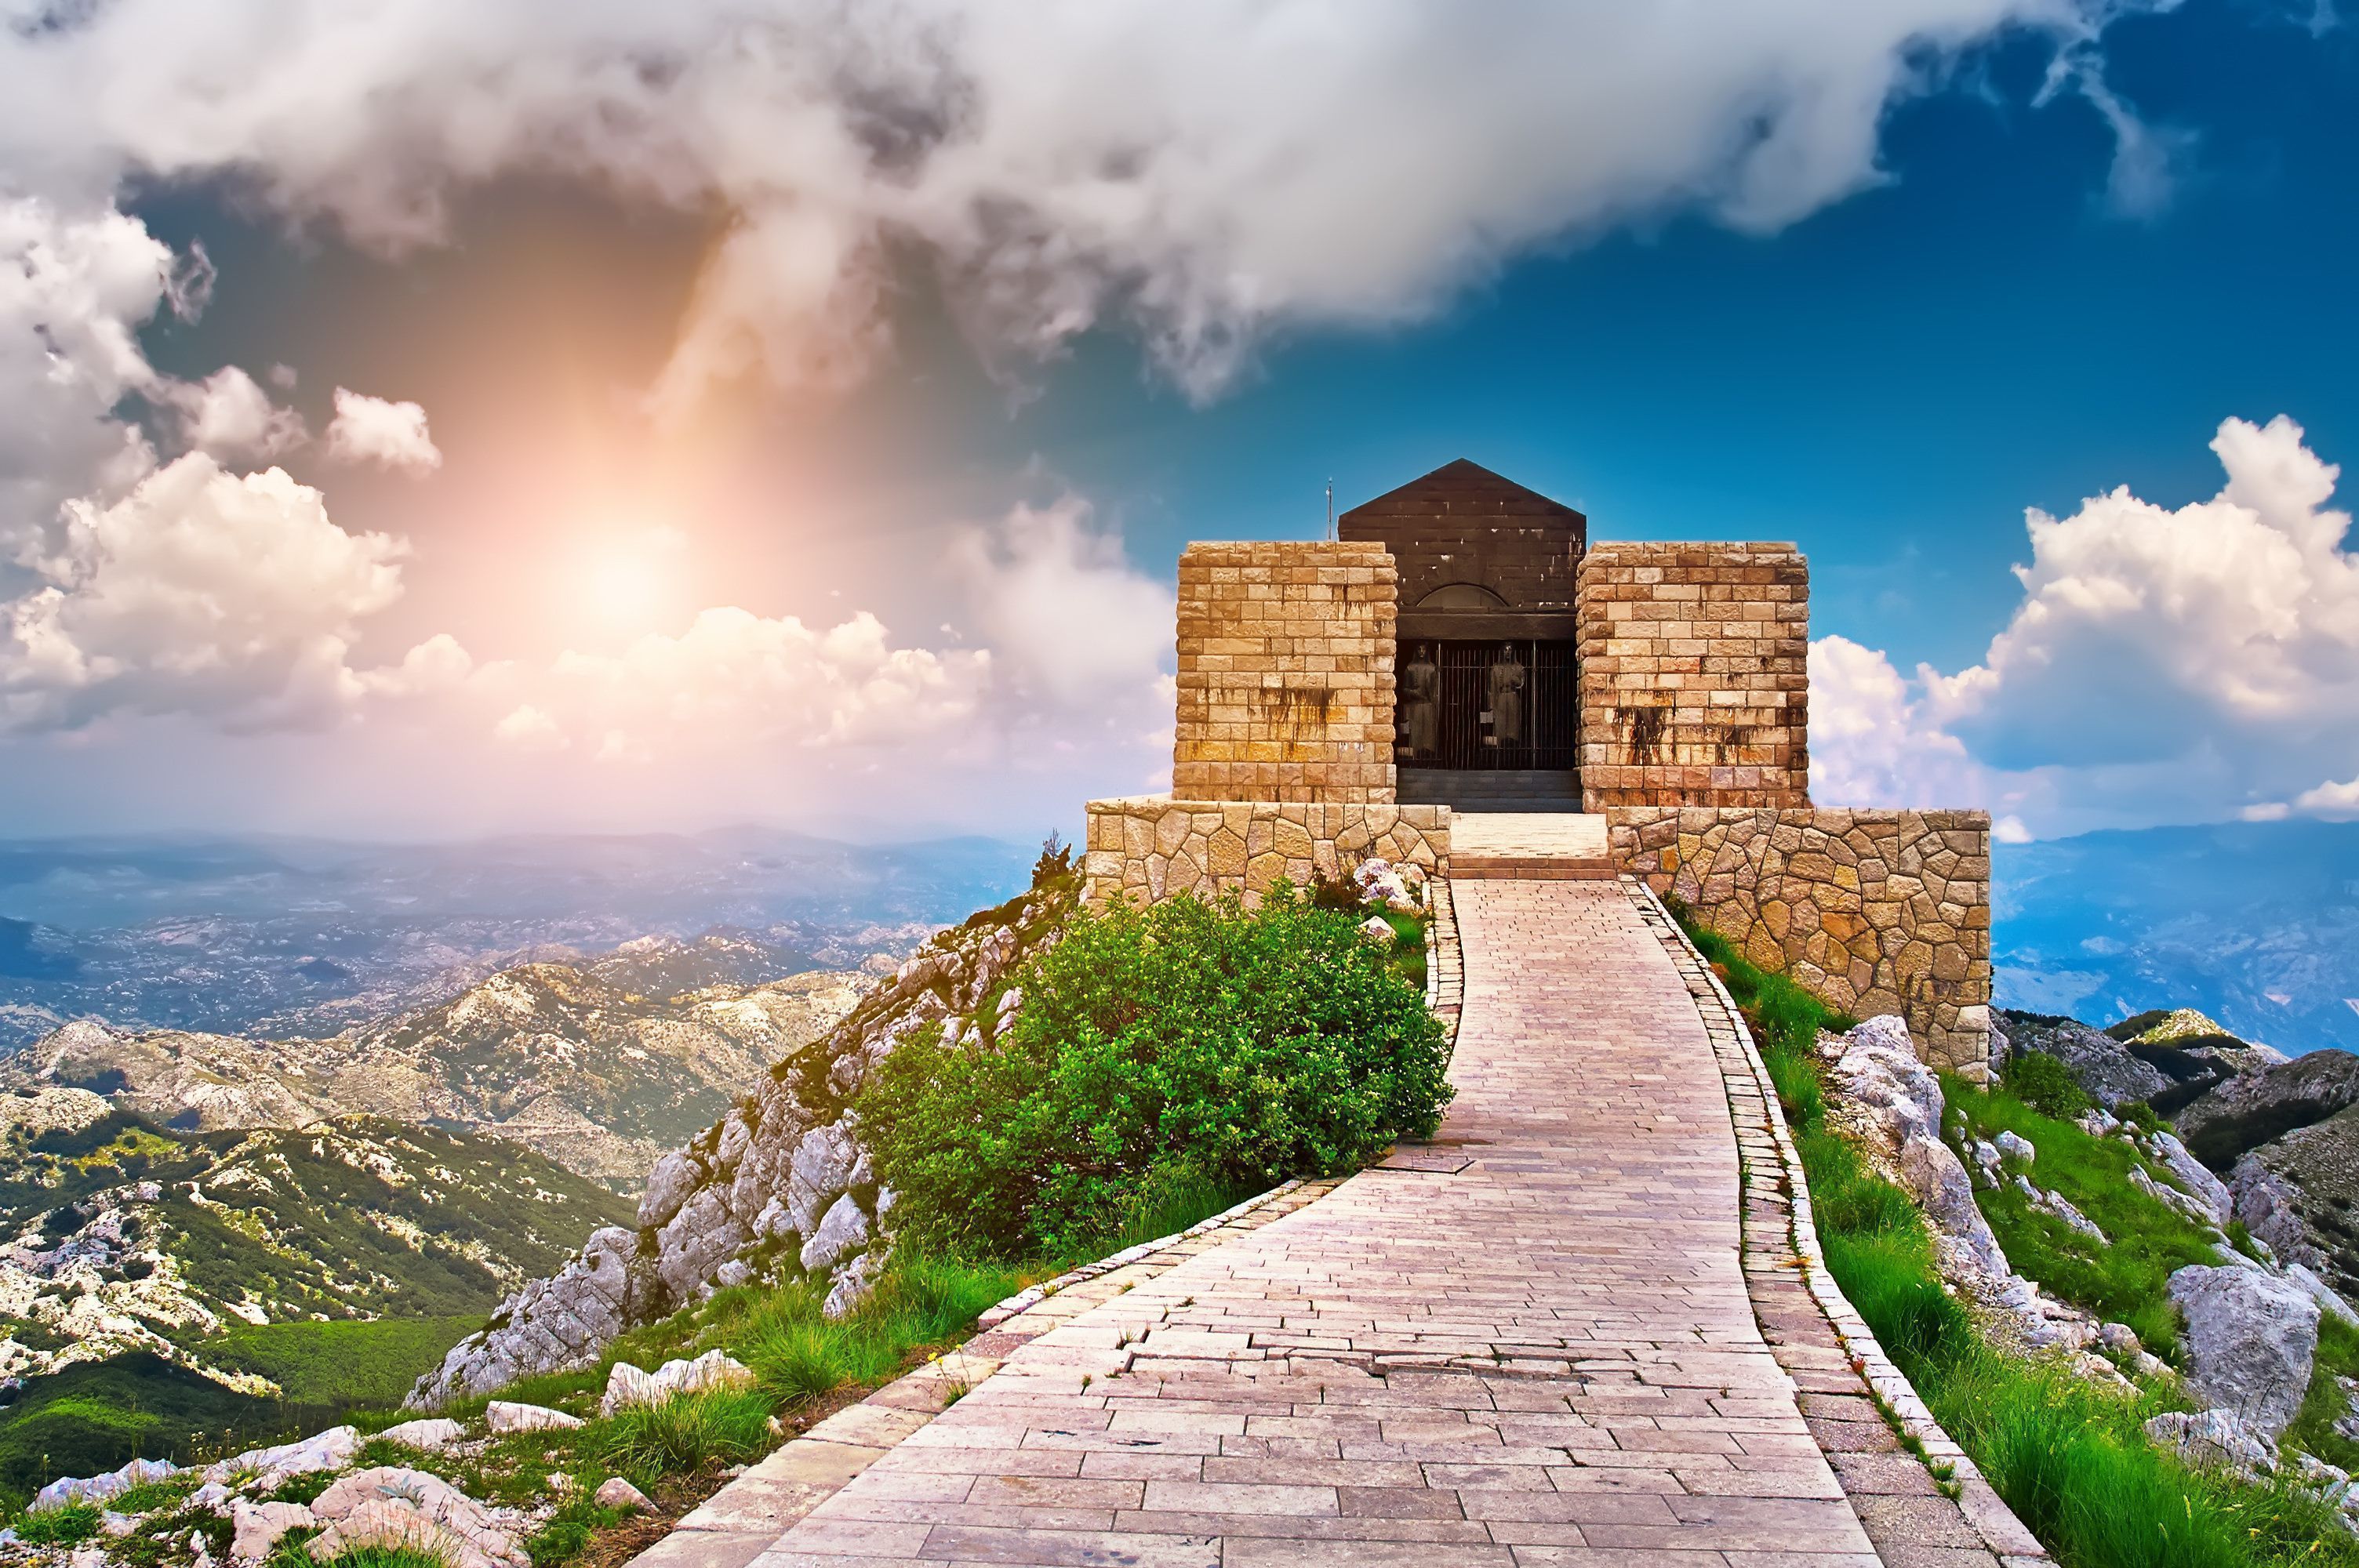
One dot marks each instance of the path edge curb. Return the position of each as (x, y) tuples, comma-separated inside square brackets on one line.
[(2003, 1534)]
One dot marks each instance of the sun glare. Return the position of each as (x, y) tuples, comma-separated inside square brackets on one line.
[(626, 580)]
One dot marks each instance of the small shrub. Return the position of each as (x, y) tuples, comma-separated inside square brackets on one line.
[(2046, 1085), (685, 1433), (1187, 1041), (65, 1525)]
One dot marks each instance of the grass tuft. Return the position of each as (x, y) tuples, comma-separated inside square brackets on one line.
[(686, 1433), (65, 1525)]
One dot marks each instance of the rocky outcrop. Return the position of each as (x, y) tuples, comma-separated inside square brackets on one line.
[(2313, 1174), (1892, 1105), (2266, 1205), (781, 1184), (2250, 1338), (395, 1509), (2112, 1074), (2193, 1052), (2253, 1108), (2211, 1440)]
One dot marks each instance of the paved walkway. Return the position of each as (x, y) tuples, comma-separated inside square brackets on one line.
[(1527, 1343)]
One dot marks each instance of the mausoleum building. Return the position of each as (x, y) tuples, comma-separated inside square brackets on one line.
[(1462, 656)]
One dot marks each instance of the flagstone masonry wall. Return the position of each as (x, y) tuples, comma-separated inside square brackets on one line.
[(1152, 846), (1875, 912)]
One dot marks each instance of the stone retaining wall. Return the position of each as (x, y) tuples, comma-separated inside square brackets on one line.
[(1875, 911), (1153, 847)]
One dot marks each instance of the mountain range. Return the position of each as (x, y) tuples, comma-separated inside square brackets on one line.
[(563, 1060), (119, 1236)]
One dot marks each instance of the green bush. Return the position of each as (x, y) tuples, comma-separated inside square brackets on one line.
[(1186, 1042), (2046, 1085)]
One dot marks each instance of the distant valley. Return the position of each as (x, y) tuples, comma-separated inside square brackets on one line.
[(297, 937), (2256, 924)]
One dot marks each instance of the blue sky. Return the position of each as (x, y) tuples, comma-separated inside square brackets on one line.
[(1886, 354)]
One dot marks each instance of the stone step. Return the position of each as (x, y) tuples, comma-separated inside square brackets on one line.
[(1532, 868)]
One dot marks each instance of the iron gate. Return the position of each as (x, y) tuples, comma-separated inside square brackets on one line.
[(1485, 705)]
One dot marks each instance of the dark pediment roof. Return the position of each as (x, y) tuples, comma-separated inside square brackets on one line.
[(1465, 489)]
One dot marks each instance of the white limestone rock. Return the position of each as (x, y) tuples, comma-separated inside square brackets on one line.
[(670, 1181), (853, 1282), (392, 1507), (627, 1385), (550, 1325), (614, 1492), (844, 1228), (2251, 1339), (505, 1416), (2014, 1146), (98, 1488), (2218, 1204), (330, 1450), (429, 1435), (259, 1525), (2213, 1439)]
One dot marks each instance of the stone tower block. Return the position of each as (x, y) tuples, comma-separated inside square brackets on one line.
[(1285, 672), (1694, 676)]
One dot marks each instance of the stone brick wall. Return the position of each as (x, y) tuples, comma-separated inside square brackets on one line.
[(1153, 847), (1285, 672), (1875, 911), (1694, 679)]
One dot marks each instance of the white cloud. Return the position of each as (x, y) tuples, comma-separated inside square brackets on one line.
[(75, 286), (2337, 802), (1211, 172), (229, 415), (1873, 738), (2164, 664), (1074, 640), (375, 430), (1062, 607), (234, 598), (733, 678), (528, 728), (2010, 829)]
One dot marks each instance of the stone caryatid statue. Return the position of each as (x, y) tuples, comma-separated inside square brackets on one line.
[(1421, 702), (1506, 693)]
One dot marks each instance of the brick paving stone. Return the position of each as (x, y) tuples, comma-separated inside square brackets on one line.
[(1548, 1356)]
